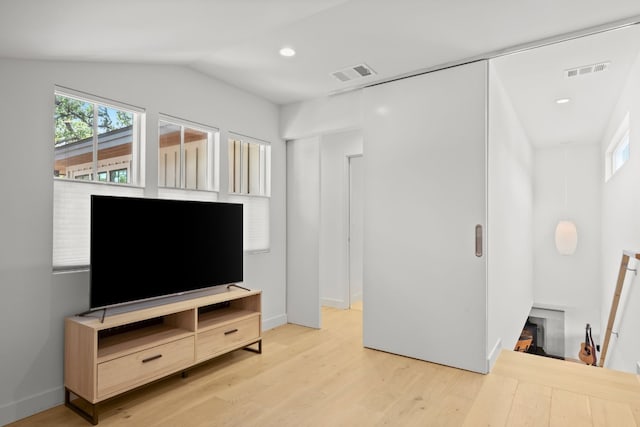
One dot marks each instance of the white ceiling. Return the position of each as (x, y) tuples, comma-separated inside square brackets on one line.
[(534, 79), (237, 41)]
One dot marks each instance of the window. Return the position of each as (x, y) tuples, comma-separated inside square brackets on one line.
[(119, 175), (188, 155), (94, 136), (249, 167), (620, 153), (619, 149), (96, 151), (250, 184)]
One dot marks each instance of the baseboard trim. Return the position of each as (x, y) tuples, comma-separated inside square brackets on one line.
[(27, 406), (334, 303), (274, 322), (493, 356)]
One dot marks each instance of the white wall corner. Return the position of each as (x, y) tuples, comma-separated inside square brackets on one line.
[(318, 116), (493, 356), (274, 321), (638, 368)]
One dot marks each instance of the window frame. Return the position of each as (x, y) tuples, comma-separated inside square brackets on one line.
[(621, 139), (622, 146), (212, 154), (257, 205), (237, 184), (137, 134)]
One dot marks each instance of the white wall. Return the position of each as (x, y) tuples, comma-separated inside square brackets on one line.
[(510, 222), (303, 232), (322, 116), (34, 302), (621, 231), (568, 282), (332, 125), (334, 211)]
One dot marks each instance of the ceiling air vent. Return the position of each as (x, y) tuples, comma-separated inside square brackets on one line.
[(587, 69), (354, 72)]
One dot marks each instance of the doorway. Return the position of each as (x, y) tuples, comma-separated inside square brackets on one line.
[(355, 233)]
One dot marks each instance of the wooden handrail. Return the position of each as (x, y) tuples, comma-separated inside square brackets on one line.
[(624, 267)]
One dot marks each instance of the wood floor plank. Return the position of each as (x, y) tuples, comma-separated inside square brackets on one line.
[(449, 400), (635, 409), (493, 404), (608, 413), (570, 409), (531, 406)]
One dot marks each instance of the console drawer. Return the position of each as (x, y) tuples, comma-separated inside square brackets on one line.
[(135, 369), (219, 340)]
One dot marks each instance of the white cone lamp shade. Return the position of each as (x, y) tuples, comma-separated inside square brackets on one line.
[(566, 237)]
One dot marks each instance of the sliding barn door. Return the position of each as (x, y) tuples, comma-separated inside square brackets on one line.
[(425, 216)]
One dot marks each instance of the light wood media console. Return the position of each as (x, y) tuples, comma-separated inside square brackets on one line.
[(109, 356)]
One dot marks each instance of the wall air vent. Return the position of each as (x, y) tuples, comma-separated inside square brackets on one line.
[(354, 72), (587, 69)]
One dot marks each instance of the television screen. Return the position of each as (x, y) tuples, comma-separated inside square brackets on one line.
[(146, 248)]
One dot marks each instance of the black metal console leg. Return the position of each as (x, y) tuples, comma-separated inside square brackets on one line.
[(91, 417), (258, 350)]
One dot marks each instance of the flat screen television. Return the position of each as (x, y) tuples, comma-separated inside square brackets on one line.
[(144, 248)]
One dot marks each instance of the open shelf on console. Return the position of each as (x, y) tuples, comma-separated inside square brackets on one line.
[(120, 340), (220, 314)]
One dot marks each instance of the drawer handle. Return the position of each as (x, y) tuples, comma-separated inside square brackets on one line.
[(233, 331), (149, 359)]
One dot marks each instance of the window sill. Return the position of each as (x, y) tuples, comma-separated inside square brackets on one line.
[(70, 269), (258, 251)]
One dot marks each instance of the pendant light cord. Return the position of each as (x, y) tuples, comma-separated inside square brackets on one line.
[(565, 182)]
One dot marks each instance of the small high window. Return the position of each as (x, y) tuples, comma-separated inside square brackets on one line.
[(249, 166), (188, 155), (619, 149), (620, 153)]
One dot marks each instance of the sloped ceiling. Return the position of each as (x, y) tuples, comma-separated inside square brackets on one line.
[(237, 41)]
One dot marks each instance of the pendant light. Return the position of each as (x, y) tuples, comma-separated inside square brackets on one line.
[(566, 231)]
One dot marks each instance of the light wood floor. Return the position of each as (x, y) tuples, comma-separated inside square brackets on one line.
[(307, 377)]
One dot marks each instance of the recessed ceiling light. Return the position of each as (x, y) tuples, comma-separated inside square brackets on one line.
[(287, 51), (562, 100)]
